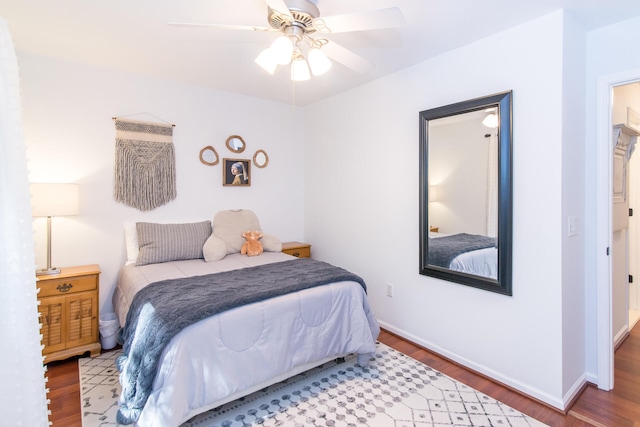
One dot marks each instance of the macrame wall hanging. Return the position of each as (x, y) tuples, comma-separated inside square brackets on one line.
[(145, 167)]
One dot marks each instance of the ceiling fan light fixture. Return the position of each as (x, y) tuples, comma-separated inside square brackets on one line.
[(299, 69), (282, 49), (318, 61), (267, 61), (297, 21)]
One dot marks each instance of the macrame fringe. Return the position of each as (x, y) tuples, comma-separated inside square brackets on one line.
[(145, 175)]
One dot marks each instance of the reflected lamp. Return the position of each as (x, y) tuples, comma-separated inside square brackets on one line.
[(434, 193)]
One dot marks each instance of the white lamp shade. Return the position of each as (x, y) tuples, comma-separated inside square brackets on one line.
[(490, 121), (267, 61), (54, 199), (300, 70), (282, 49), (318, 62)]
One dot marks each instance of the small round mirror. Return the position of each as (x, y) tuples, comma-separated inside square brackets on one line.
[(236, 144), (260, 159), (209, 156)]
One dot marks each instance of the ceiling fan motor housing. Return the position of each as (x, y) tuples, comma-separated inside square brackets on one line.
[(303, 13)]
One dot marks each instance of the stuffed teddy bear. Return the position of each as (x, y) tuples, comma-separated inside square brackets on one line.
[(252, 246)]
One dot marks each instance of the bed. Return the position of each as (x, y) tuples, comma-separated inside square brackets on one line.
[(467, 253), (241, 349)]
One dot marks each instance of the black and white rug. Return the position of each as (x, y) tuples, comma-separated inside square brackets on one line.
[(394, 390)]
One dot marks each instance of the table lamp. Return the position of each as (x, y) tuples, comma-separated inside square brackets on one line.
[(51, 200)]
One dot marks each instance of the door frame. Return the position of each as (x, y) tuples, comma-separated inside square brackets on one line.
[(604, 200)]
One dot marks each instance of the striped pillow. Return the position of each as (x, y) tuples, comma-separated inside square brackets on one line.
[(171, 242)]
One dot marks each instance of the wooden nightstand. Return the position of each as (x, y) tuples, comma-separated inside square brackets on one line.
[(301, 250), (434, 229), (69, 312)]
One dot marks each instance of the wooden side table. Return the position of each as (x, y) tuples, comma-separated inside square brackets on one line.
[(69, 312), (297, 249)]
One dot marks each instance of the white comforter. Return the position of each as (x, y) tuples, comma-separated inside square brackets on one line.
[(481, 262), (244, 349)]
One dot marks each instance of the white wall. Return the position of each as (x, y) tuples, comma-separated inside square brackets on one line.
[(458, 166), (361, 204), (69, 132), (572, 199)]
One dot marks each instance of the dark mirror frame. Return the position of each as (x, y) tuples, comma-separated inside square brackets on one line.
[(503, 101)]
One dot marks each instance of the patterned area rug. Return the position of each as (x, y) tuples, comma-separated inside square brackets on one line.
[(394, 390)]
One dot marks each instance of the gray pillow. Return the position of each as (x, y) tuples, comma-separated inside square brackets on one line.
[(171, 242)]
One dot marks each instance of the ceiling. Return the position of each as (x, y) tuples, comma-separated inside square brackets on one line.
[(133, 35)]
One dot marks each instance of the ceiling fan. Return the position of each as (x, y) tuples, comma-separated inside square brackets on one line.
[(298, 20)]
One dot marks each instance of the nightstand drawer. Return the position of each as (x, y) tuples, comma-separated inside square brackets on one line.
[(297, 249), (67, 285)]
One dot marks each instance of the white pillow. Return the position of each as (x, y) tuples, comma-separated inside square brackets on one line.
[(229, 226), (214, 249), (131, 242), (271, 243)]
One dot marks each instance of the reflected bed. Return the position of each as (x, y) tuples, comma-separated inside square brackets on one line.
[(466, 253)]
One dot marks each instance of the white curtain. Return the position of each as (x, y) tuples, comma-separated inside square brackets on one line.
[(23, 399), (492, 186)]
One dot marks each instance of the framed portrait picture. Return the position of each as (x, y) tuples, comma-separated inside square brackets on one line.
[(236, 172)]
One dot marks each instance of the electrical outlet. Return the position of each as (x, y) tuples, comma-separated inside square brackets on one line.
[(389, 290)]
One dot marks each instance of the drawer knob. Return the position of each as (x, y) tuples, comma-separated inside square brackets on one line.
[(296, 253), (65, 287)]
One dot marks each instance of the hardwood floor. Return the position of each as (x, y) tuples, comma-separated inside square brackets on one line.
[(619, 407)]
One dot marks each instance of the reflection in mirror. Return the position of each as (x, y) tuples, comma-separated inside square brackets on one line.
[(209, 156), (260, 159), (236, 144), (465, 193)]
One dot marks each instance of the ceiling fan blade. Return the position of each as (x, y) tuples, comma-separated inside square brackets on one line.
[(221, 26), (347, 58), (360, 21), (279, 6)]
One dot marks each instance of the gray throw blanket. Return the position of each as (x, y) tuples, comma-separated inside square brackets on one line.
[(442, 250), (162, 309)]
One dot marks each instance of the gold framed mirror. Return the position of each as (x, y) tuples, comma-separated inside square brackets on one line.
[(209, 156), (236, 144), (260, 159)]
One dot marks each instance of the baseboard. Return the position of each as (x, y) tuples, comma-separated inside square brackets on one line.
[(504, 380), (575, 391), (634, 317), (620, 337)]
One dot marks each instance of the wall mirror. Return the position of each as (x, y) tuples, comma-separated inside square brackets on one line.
[(236, 144), (209, 156), (260, 159), (465, 192)]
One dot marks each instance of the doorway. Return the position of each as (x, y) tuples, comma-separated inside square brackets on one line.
[(625, 117), (606, 298)]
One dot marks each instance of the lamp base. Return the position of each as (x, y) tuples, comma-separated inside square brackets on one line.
[(47, 271)]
